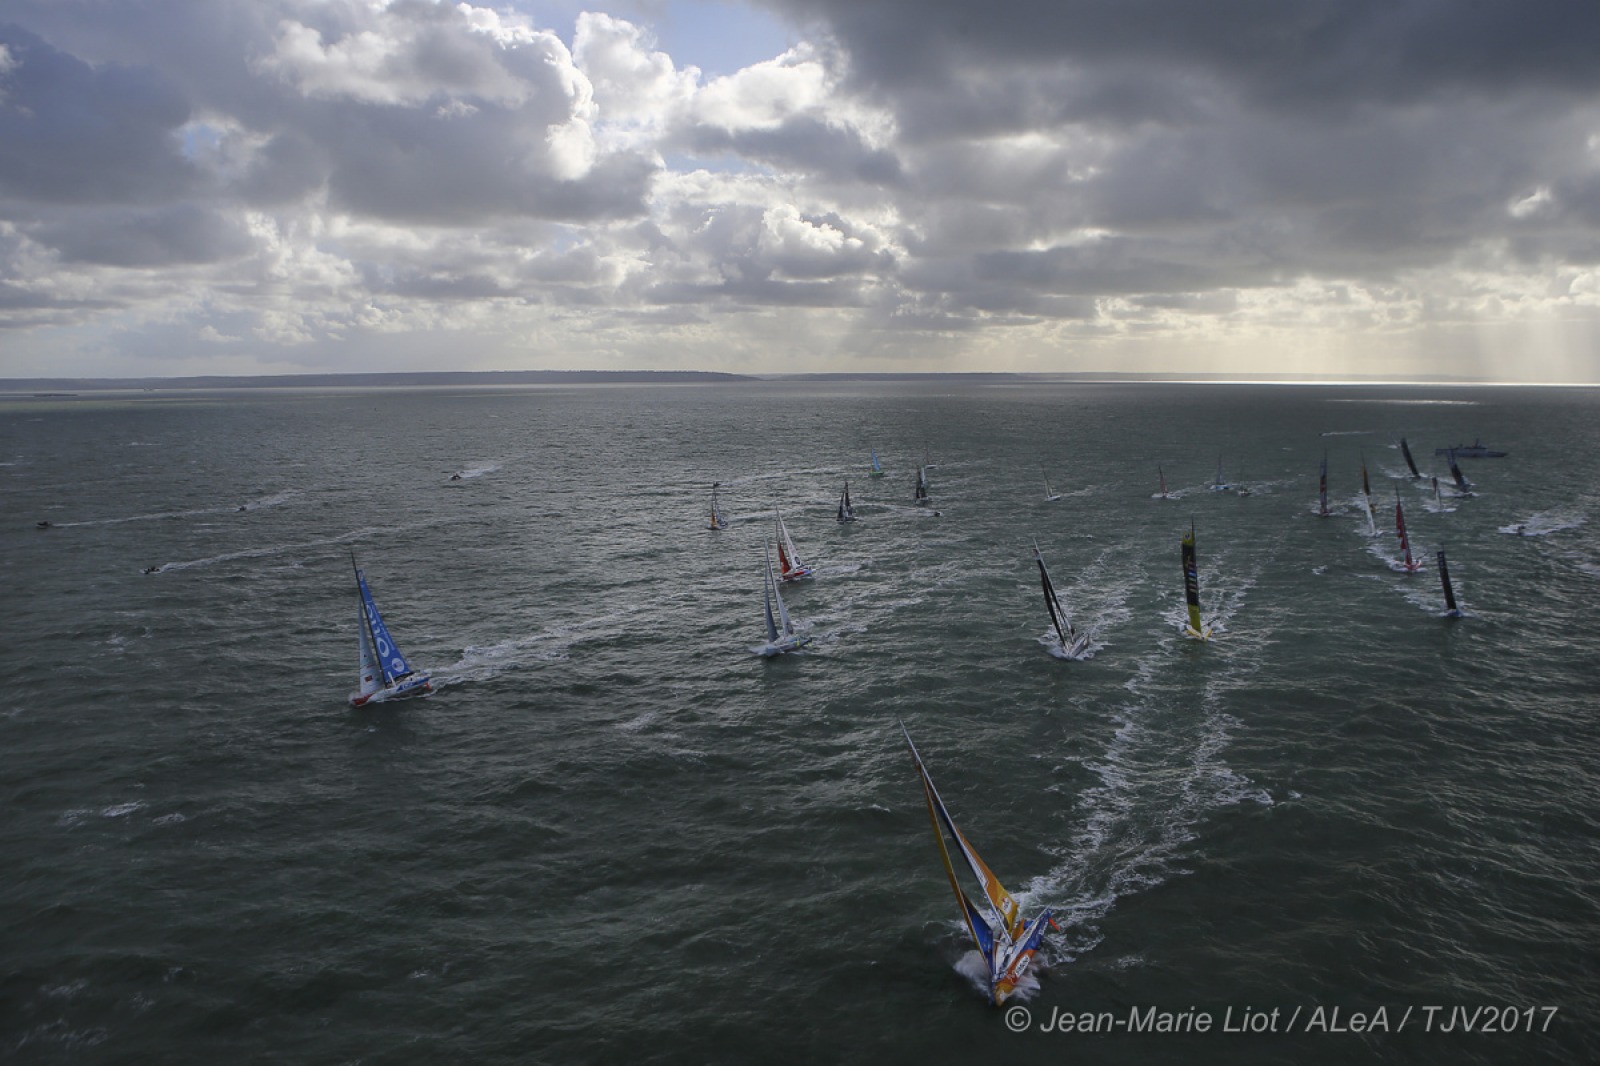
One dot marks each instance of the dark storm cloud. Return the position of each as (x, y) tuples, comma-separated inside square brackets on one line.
[(72, 133)]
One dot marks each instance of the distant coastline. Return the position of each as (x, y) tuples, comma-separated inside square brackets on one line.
[(57, 387)]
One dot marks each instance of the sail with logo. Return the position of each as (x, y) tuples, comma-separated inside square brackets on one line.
[(385, 674), (1006, 943), (1194, 628)]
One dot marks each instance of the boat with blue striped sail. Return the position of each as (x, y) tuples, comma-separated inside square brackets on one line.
[(781, 635), (385, 674), (1193, 628), (1006, 943), (877, 469), (790, 568), (1070, 644)]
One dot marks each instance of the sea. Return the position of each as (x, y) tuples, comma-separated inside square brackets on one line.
[(1347, 828)]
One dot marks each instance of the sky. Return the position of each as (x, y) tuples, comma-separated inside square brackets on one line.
[(1346, 189)]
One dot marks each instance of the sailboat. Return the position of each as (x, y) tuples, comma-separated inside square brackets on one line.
[(1006, 943), (1073, 644), (1366, 493), (1163, 476), (1049, 497), (1405, 450), (1220, 485), (790, 568), (1449, 590), (385, 674), (1463, 486), (716, 512), (781, 636), (877, 470), (922, 485), (1410, 564), (1194, 628), (1322, 489), (847, 513)]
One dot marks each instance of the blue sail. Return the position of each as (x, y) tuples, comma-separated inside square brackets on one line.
[(390, 661)]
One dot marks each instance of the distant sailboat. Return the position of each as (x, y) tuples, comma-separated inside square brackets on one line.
[(1463, 486), (1002, 938), (1366, 494), (1220, 485), (1449, 590), (877, 470), (1405, 450), (1410, 564), (922, 485), (781, 635), (1072, 644), (1322, 489), (847, 513), (1049, 497), (1162, 475), (716, 512), (790, 568), (385, 674), (1194, 629)]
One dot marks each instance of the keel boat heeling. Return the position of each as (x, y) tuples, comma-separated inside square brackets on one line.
[(1073, 645), (1322, 488), (876, 471), (1006, 943), (1449, 590), (1463, 486), (716, 512), (1405, 450), (1366, 495), (922, 485), (1161, 474), (385, 674), (790, 568), (847, 512), (1049, 497), (1220, 485), (781, 636), (1191, 590), (1410, 564)]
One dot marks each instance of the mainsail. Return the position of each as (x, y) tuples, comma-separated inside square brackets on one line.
[(1072, 642), (1006, 943), (716, 512), (1462, 485), (384, 670), (922, 484), (1163, 476), (1322, 488), (790, 568), (1449, 590), (1405, 450), (1191, 585), (1411, 565), (876, 471), (847, 512), (1366, 494)]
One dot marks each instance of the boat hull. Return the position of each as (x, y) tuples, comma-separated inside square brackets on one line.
[(782, 647), (411, 686), (797, 573)]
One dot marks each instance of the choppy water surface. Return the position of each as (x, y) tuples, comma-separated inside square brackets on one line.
[(614, 834)]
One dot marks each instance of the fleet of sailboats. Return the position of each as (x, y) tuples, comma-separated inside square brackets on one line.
[(1005, 942), (385, 674)]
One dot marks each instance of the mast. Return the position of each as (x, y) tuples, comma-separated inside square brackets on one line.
[(1191, 580), (1405, 450), (1400, 528), (1052, 603), (1322, 488), (1449, 591)]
